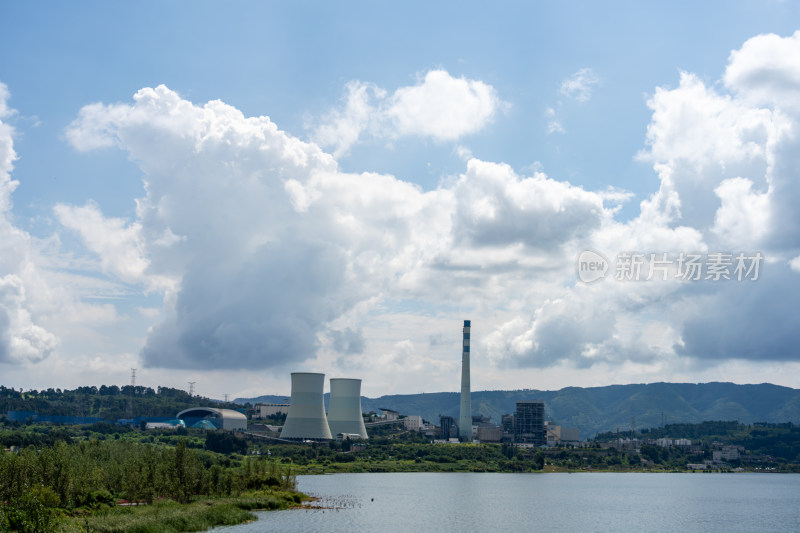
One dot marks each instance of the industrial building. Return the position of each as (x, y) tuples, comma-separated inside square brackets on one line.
[(490, 433), (213, 418), (507, 422), (529, 423), (344, 410), (389, 414), (412, 422), (265, 410), (449, 428), (557, 435), (306, 419)]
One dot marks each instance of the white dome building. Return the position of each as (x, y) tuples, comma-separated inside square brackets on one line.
[(218, 418)]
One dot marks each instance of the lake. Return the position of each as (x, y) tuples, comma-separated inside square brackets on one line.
[(409, 502)]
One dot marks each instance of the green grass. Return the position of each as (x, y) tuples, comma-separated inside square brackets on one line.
[(172, 517)]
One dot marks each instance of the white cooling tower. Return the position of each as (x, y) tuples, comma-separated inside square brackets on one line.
[(344, 410), (306, 418)]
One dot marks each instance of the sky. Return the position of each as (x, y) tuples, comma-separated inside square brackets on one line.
[(227, 193)]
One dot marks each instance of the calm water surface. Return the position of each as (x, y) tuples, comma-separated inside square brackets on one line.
[(410, 502)]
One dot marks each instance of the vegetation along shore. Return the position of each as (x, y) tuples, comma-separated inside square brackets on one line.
[(84, 479)]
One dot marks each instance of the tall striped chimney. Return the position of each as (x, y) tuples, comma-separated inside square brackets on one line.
[(465, 418)]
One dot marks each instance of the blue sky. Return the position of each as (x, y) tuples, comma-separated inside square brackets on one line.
[(563, 94)]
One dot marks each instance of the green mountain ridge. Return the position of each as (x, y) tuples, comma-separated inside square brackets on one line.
[(598, 409)]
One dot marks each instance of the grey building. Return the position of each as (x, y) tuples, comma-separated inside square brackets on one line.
[(449, 427), (529, 423), (507, 423)]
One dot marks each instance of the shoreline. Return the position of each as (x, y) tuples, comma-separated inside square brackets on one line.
[(203, 514), (535, 472)]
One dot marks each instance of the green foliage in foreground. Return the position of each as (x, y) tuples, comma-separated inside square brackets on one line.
[(169, 516), (38, 487)]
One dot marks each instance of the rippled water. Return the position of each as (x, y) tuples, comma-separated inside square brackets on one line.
[(410, 502)]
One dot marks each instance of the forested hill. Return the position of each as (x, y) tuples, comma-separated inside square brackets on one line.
[(107, 402), (597, 409)]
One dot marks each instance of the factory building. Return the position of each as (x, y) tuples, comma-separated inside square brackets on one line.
[(507, 422), (490, 433), (412, 422), (389, 414), (344, 410), (306, 419), (449, 427), (265, 410), (529, 423), (570, 434)]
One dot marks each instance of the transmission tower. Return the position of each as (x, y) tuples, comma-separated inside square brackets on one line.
[(633, 426), (226, 397), (130, 393), (191, 387)]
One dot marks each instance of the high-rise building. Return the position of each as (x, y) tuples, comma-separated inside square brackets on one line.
[(529, 423), (465, 415)]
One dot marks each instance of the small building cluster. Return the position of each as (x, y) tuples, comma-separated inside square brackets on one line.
[(526, 427)]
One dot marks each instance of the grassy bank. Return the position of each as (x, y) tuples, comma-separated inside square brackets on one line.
[(173, 517)]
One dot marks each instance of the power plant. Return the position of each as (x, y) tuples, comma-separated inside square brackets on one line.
[(344, 409), (465, 416), (306, 419)]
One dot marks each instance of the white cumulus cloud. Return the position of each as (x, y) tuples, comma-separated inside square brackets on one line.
[(279, 257), (766, 71), (117, 243), (439, 106), (22, 338)]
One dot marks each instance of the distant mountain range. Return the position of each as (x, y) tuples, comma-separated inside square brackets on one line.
[(597, 409)]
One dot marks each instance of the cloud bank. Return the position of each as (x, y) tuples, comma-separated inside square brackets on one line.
[(268, 255), (22, 338)]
